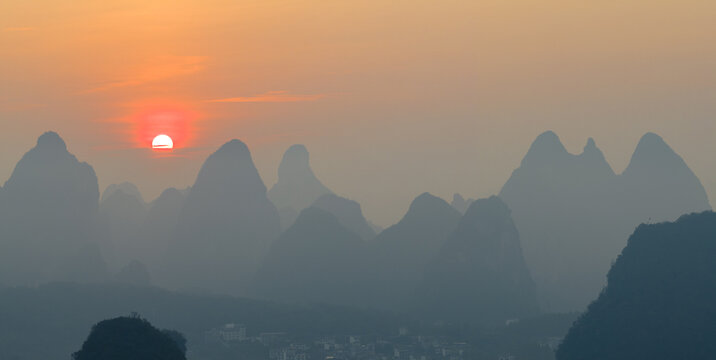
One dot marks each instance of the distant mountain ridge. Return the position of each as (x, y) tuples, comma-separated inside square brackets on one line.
[(348, 213), (317, 259), (479, 275), (402, 251), (49, 218), (123, 211), (226, 224), (574, 212), (297, 187)]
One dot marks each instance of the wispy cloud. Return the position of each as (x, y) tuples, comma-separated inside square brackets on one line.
[(160, 69), (271, 96), (18, 29)]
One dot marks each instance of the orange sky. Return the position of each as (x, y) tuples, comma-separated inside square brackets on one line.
[(392, 98)]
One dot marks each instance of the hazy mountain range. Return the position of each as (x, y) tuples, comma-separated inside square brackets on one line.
[(545, 243), (49, 216), (574, 213)]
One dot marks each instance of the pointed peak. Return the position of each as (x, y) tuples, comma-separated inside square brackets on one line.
[(591, 150), (233, 146), (651, 141), (457, 198), (51, 141), (653, 152), (295, 159), (234, 152), (546, 146), (590, 145)]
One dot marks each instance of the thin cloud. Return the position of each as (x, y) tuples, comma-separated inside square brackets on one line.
[(272, 97), (160, 69)]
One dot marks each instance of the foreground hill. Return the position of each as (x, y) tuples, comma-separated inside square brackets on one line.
[(130, 338), (659, 301), (51, 321)]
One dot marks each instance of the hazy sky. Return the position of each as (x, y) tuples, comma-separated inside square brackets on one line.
[(392, 98)]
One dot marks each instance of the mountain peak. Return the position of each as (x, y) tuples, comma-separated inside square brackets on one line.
[(426, 204), (651, 142), (348, 212), (227, 211), (295, 158), (295, 163), (593, 159), (297, 187), (480, 275), (233, 147), (232, 168), (653, 152), (591, 146), (125, 187), (546, 146), (426, 198), (51, 141)]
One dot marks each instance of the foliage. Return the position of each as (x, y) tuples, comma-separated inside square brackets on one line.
[(659, 301), (132, 337)]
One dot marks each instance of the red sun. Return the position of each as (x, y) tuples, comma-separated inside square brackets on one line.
[(167, 127), (162, 142)]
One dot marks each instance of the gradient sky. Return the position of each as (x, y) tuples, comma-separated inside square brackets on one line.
[(392, 98)]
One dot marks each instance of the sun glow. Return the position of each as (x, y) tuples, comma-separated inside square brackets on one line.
[(162, 141)]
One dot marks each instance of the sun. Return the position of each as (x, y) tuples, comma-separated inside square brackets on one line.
[(162, 141)]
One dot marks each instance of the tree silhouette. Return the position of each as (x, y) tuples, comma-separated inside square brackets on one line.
[(131, 338)]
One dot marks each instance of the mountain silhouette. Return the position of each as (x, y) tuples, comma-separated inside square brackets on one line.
[(317, 259), (297, 187), (129, 338), (226, 224), (403, 250), (49, 217), (123, 211), (660, 184), (460, 203), (480, 275), (658, 303), (348, 213), (573, 212), (126, 187), (157, 230)]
